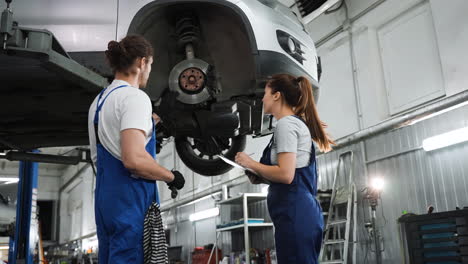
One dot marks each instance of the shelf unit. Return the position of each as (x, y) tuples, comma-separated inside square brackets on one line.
[(244, 200)]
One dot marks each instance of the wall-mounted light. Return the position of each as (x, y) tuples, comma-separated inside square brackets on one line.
[(437, 113), (446, 139), (204, 214), (212, 196), (6, 180)]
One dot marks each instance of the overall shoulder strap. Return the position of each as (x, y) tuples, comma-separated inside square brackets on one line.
[(99, 104)]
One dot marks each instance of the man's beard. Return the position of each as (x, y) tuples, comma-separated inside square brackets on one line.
[(144, 83)]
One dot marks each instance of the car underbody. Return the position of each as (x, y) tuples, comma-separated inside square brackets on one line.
[(206, 84)]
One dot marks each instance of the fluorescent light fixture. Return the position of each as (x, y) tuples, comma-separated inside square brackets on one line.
[(9, 180), (377, 183), (438, 113), (204, 214), (4, 247), (446, 139), (201, 199)]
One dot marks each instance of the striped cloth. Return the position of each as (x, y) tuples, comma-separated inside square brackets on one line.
[(154, 238)]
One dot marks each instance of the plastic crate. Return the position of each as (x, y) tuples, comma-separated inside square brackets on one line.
[(201, 256)]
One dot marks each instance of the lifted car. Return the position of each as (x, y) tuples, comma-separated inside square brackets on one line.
[(212, 58)]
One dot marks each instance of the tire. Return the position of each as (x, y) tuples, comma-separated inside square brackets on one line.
[(211, 166)]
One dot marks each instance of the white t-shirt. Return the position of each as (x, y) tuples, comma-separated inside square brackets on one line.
[(125, 108)]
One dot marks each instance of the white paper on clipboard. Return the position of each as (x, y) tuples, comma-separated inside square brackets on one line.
[(234, 164)]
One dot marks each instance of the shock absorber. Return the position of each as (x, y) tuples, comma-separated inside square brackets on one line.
[(188, 32), (191, 80)]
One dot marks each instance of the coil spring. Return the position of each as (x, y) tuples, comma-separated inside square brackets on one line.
[(187, 30)]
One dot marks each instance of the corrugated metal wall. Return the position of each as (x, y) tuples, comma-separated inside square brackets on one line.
[(414, 179)]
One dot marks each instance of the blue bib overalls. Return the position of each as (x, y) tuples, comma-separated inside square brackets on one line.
[(296, 214), (121, 202)]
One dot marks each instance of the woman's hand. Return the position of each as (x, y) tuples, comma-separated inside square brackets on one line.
[(254, 179), (244, 160)]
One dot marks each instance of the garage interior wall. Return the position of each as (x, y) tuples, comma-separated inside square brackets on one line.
[(403, 54)]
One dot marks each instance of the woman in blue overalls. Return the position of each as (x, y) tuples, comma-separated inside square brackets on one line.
[(122, 140), (295, 212)]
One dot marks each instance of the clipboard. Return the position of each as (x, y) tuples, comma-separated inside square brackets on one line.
[(237, 165), (234, 164)]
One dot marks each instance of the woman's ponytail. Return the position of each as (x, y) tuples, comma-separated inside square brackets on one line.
[(308, 111)]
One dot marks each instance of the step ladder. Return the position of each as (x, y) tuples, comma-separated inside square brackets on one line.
[(341, 214)]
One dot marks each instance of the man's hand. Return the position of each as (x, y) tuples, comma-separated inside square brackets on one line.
[(176, 184), (178, 181), (156, 118)]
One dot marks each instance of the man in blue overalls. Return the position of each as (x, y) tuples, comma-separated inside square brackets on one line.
[(122, 141)]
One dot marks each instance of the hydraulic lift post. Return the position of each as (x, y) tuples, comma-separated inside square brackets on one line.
[(23, 242)]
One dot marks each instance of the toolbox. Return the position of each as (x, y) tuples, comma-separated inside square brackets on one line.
[(437, 238)]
